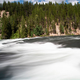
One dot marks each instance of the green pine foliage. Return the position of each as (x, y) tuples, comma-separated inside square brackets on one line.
[(61, 28), (38, 30), (23, 28), (39, 18), (47, 31), (6, 28)]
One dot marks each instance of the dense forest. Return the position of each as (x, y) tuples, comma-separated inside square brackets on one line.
[(28, 19)]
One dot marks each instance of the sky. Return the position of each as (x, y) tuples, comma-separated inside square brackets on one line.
[(45, 1)]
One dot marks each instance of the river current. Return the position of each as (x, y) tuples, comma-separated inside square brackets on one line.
[(40, 58)]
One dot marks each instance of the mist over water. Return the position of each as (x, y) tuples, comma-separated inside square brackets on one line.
[(40, 58)]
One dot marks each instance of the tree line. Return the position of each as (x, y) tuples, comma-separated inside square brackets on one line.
[(30, 19)]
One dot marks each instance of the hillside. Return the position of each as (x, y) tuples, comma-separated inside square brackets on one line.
[(58, 33), (30, 20)]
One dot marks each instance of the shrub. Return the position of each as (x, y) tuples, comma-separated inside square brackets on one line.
[(38, 30), (32, 33), (61, 28), (47, 31)]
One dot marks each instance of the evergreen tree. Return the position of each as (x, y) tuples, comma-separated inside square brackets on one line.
[(23, 28), (38, 30), (6, 28), (45, 15), (61, 28), (4, 5)]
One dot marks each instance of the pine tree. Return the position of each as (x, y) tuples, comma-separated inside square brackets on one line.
[(6, 28), (54, 27), (61, 28), (23, 28), (4, 5)]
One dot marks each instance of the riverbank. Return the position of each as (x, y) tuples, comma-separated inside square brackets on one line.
[(58, 33)]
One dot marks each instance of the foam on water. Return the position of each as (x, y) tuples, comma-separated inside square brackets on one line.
[(42, 61)]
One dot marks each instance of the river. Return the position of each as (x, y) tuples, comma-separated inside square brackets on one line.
[(40, 58)]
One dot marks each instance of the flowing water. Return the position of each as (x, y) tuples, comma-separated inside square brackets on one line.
[(40, 58)]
